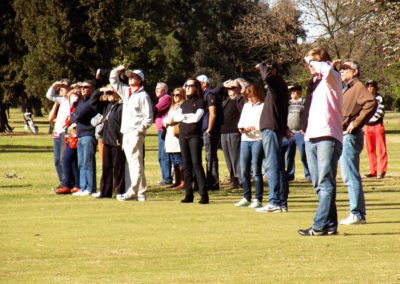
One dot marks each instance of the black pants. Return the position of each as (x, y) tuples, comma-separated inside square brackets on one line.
[(113, 171), (191, 149)]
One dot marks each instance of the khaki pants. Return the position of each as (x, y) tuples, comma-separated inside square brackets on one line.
[(135, 180)]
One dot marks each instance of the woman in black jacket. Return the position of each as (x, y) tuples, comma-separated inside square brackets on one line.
[(190, 140), (113, 169)]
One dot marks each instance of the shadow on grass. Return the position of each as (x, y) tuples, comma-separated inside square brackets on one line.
[(371, 234), (15, 185), (25, 149)]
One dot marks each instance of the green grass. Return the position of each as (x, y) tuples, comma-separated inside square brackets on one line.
[(47, 238)]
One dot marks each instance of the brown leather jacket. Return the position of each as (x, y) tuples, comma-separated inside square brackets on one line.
[(358, 105)]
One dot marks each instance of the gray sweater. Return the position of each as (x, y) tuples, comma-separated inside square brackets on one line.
[(295, 114)]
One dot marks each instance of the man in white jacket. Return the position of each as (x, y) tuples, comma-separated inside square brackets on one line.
[(137, 116), (58, 93)]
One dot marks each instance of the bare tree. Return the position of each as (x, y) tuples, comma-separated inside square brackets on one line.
[(270, 32)]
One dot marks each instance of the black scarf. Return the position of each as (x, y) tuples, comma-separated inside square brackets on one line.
[(307, 104)]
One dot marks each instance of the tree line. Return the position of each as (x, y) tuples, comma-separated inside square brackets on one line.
[(44, 40)]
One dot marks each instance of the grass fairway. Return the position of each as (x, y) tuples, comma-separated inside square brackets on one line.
[(47, 238)]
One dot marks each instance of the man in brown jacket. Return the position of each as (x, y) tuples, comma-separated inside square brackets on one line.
[(358, 107)]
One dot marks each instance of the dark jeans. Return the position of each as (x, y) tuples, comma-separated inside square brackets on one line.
[(113, 171), (70, 166), (211, 142), (192, 163)]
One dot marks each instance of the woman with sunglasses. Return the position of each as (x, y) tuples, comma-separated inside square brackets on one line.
[(113, 168), (190, 140), (251, 148), (172, 147)]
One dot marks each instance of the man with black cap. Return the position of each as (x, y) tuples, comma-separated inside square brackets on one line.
[(137, 117), (375, 137), (295, 123)]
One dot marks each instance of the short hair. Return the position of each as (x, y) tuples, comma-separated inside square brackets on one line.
[(255, 90), (163, 85), (354, 65), (90, 82), (319, 54)]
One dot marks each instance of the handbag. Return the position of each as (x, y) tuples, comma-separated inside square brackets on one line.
[(176, 130)]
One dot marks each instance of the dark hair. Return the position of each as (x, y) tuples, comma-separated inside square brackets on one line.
[(319, 54), (197, 84), (91, 82), (373, 83), (255, 90)]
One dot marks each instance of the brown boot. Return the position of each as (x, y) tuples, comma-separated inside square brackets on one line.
[(177, 179), (181, 184)]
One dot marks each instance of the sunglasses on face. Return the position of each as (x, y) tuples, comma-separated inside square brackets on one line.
[(176, 95), (189, 86), (108, 93), (86, 87)]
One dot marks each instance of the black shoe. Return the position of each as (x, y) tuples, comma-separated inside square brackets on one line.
[(214, 188), (370, 176), (332, 231), (311, 232), (187, 200), (381, 176), (204, 200)]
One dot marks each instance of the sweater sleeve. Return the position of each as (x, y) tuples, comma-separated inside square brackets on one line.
[(51, 95), (118, 86)]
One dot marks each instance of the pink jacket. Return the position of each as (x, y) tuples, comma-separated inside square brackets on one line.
[(162, 110)]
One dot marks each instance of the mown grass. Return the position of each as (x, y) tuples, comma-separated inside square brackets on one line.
[(47, 238)]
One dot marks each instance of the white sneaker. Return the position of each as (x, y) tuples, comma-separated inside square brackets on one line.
[(125, 197), (242, 203), (85, 193), (269, 208), (78, 193), (141, 198), (353, 220), (255, 204), (97, 194)]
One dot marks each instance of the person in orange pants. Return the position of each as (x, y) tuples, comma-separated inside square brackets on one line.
[(375, 138)]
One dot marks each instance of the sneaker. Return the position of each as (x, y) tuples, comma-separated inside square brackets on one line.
[(332, 231), (353, 220), (85, 193), (381, 176), (311, 232), (63, 190), (96, 194), (242, 203), (75, 189), (284, 209), (124, 197), (255, 204), (142, 198), (370, 176), (269, 208), (78, 193)]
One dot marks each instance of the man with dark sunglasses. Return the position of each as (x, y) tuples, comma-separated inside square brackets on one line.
[(358, 107)]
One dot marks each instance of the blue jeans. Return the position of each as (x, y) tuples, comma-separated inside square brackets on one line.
[(273, 165), (163, 159), (87, 163), (176, 159), (251, 156), (296, 140), (322, 158), (350, 170), (58, 156)]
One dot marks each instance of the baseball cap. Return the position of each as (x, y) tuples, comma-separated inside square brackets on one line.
[(137, 72), (295, 87), (203, 78)]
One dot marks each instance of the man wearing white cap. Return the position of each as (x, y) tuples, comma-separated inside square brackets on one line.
[(137, 116)]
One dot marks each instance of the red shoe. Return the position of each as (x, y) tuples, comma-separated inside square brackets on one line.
[(75, 189), (180, 186), (63, 190)]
